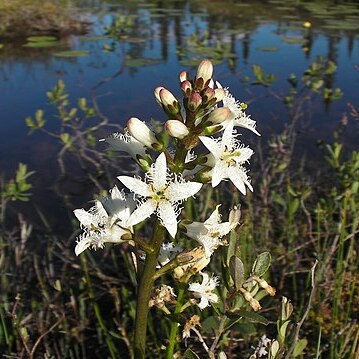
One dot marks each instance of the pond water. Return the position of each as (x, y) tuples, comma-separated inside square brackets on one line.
[(155, 41)]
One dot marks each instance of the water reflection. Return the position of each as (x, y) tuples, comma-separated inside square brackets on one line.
[(145, 43)]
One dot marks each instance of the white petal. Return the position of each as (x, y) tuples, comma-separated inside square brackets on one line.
[(82, 245), (222, 229), (142, 212), (160, 172), (195, 229), (84, 217), (227, 138), (213, 146), (214, 218), (219, 173), (168, 216), (239, 179), (203, 303), (135, 185), (178, 191)]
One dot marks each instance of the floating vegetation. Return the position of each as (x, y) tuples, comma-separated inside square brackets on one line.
[(267, 48), (71, 53), (41, 41)]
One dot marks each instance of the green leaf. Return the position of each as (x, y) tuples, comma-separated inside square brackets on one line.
[(299, 347), (210, 324), (190, 354), (236, 269), (41, 38), (252, 316), (72, 53), (261, 264)]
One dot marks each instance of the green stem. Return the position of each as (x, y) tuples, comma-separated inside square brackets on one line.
[(174, 325), (144, 291)]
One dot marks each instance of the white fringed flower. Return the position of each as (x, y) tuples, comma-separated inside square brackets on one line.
[(105, 221), (239, 117), (162, 193), (126, 143), (210, 233), (203, 291), (229, 155)]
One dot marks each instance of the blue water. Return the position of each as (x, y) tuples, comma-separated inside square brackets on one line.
[(26, 75)]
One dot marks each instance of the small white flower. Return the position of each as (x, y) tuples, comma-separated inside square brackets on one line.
[(209, 233), (203, 291), (262, 347), (126, 143), (162, 193), (229, 155), (104, 222), (239, 117)]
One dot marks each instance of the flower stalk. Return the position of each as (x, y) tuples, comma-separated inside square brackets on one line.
[(144, 291)]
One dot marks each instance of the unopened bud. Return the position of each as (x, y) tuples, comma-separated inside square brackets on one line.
[(169, 102), (186, 87), (235, 214), (176, 129), (205, 70), (219, 115), (183, 76), (157, 94), (195, 100), (219, 94), (142, 133), (208, 95)]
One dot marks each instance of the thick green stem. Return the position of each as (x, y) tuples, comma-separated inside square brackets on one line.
[(144, 291), (174, 325)]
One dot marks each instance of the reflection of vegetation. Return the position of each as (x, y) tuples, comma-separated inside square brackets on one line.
[(202, 45), (26, 17)]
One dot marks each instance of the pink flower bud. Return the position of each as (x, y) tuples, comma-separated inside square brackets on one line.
[(142, 133), (219, 115), (205, 70), (208, 95), (157, 94), (183, 76), (167, 98), (186, 87), (176, 129), (195, 100)]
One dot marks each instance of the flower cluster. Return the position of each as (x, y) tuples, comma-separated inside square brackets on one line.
[(204, 149)]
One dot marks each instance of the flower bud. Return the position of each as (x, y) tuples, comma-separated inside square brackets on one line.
[(208, 95), (157, 94), (176, 129), (235, 214), (205, 70), (142, 133), (169, 102), (183, 76), (219, 115), (219, 94), (195, 100), (186, 87)]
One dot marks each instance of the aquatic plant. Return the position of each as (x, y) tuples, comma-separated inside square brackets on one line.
[(174, 168)]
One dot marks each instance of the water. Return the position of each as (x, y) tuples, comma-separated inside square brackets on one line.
[(268, 33)]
